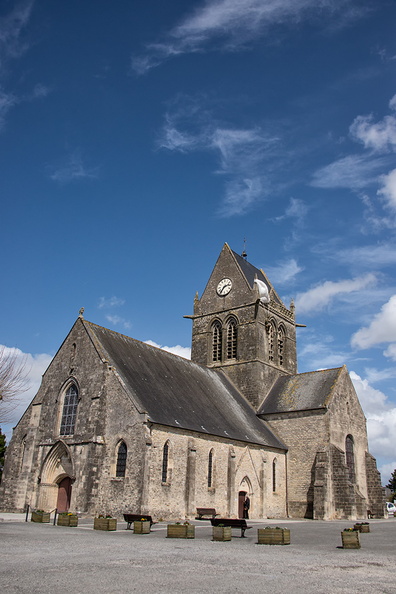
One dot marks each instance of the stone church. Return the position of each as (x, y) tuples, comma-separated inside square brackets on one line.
[(120, 426)]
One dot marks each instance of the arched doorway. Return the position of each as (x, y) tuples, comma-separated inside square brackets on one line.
[(56, 478), (245, 490), (64, 494)]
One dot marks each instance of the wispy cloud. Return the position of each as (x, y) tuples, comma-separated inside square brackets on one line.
[(12, 45), (118, 321), (284, 273), (240, 152), (106, 302), (317, 298), (353, 171), (231, 24), (74, 169)]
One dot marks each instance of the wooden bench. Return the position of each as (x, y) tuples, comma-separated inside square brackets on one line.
[(206, 511), (233, 522), (131, 518)]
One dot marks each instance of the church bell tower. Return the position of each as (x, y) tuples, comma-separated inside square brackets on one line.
[(241, 326)]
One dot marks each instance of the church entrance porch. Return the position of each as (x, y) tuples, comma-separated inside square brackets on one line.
[(55, 481)]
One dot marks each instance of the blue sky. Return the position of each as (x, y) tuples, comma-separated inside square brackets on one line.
[(137, 137)]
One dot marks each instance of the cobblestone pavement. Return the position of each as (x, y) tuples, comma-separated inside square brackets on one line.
[(51, 559)]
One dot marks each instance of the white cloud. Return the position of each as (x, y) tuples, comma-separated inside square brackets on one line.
[(74, 169), (35, 366), (118, 321), (11, 27), (110, 302), (230, 24), (388, 190), (391, 352), (381, 421), (354, 172), (381, 329), (377, 255), (283, 273), (379, 137), (176, 350), (317, 298)]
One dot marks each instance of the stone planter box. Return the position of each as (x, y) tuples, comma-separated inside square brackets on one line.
[(221, 533), (180, 531), (67, 520), (362, 526), (141, 527), (273, 536), (42, 517), (105, 524), (350, 539)]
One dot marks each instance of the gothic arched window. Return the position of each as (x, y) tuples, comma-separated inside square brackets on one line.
[(210, 469), (232, 338), (121, 460), (281, 345), (217, 341), (350, 457), (69, 412), (165, 462)]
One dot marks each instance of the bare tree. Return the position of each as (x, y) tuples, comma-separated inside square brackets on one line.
[(13, 379)]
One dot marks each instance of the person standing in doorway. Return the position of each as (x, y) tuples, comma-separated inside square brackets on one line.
[(246, 507)]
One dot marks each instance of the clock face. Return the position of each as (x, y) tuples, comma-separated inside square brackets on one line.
[(224, 287)]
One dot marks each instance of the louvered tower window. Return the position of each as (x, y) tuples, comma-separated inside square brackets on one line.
[(271, 341), (281, 345), (232, 335), (69, 413), (217, 342)]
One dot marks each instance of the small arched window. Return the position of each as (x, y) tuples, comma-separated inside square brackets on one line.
[(165, 462), (210, 469), (274, 476), (69, 412), (232, 336), (121, 460), (217, 341), (350, 457), (281, 345)]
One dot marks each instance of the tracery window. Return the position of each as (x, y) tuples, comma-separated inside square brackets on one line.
[(165, 462), (281, 345), (69, 413), (210, 469), (232, 335), (350, 457), (121, 460), (217, 342)]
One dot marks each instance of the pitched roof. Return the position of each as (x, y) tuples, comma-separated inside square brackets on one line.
[(251, 272), (304, 391), (176, 392)]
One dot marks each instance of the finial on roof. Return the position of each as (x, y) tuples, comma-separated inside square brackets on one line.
[(81, 313), (244, 253)]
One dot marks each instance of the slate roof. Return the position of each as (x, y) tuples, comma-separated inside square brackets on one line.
[(176, 392), (251, 272), (304, 391)]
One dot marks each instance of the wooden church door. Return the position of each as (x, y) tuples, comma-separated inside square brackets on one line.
[(64, 494)]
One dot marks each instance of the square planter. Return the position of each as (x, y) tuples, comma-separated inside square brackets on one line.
[(105, 524), (180, 531), (350, 539), (362, 526), (273, 536), (67, 520), (42, 517), (141, 527), (221, 533)]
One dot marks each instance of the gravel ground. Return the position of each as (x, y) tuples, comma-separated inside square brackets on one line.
[(52, 559)]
